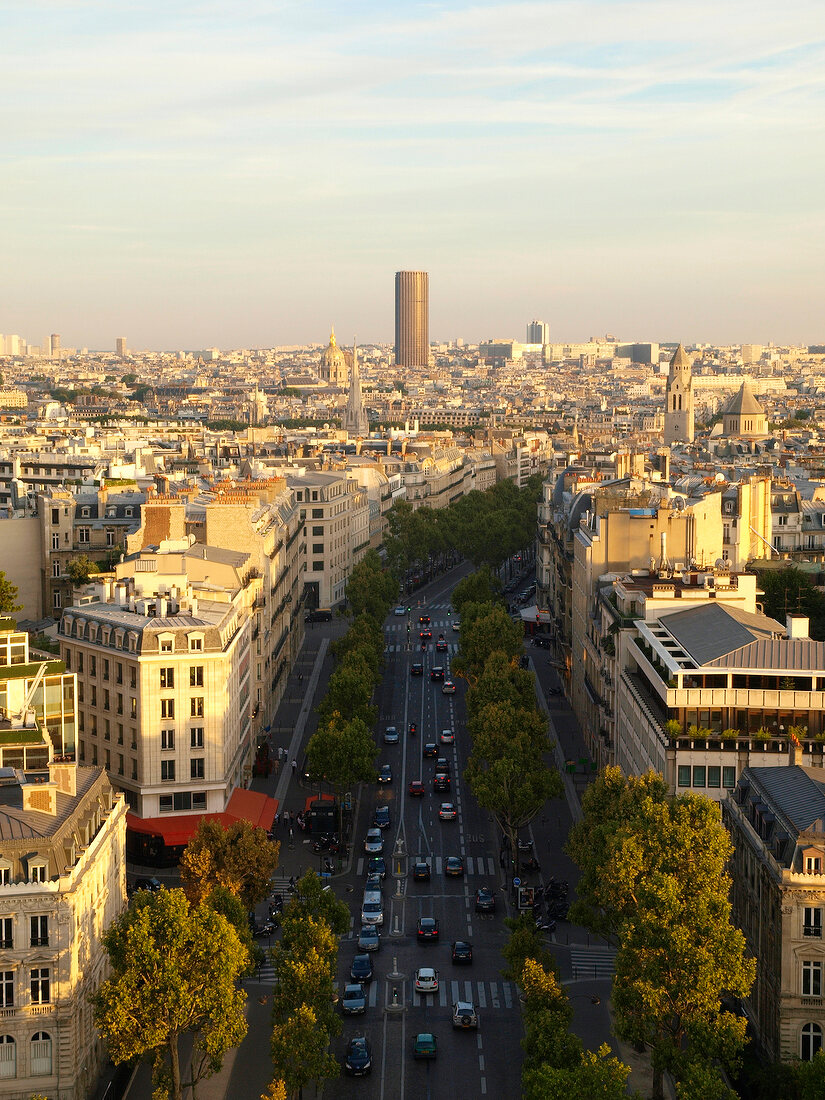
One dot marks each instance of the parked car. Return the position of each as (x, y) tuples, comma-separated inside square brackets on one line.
[(354, 1000), (464, 1015), (151, 884), (358, 1058), (541, 641)]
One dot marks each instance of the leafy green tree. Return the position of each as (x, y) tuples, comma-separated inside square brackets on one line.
[(229, 905), (240, 858), (173, 972), (371, 589), (483, 586), (80, 570), (598, 1076), (525, 942), (502, 681), (366, 637), (657, 876), (8, 596), (299, 1051), (343, 753), (305, 971), (311, 901), (348, 694), (276, 1091), (490, 630), (791, 590)]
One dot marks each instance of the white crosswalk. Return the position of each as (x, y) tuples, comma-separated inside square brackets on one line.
[(474, 866), (481, 994), (592, 962)]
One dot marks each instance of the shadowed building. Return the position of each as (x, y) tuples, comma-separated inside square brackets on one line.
[(412, 318)]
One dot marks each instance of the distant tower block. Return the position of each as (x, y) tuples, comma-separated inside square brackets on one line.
[(54, 345), (121, 347), (538, 332), (679, 400), (412, 318)]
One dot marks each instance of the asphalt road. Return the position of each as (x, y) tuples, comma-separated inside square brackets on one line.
[(483, 1062)]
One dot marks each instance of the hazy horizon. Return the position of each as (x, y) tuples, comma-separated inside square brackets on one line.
[(190, 175)]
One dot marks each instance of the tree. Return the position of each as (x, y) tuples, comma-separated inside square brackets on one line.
[(343, 753), (276, 1091), (790, 590), (371, 589), (525, 942), (654, 873), (299, 1051), (597, 1075), (173, 972), (240, 858), (305, 969), (8, 596), (348, 694), (502, 682), (479, 587), (226, 903), (486, 630), (311, 901), (80, 570)]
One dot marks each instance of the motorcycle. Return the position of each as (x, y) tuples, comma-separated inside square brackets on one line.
[(322, 843), (412, 729), (531, 865)]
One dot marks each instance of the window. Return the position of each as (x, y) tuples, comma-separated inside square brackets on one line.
[(39, 931), (196, 706), (165, 803), (37, 872), (684, 775), (196, 768), (79, 661), (105, 698), (167, 771), (134, 770), (92, 658), (110, 537), (6, 989), (317, 513), (56, 541), (729, 778), (317, 566), (167, 740), (55, 515), (93, 696), (714, 776), (166, 645), (41, 1054), (83, 536), (107, 759), (120, 763), (55, 568), (6, 933), (811, 979), (40, 985), (698, 775), (85, 512), (57, 600), (196, 676), (5, 875), (812, 921), (196, 737), (196, 645), (167, 677), (8, 1056), (317, 548), (316, 531), (118, 672), (167, 708), (811, 1042), (813, 865), (199, 800)]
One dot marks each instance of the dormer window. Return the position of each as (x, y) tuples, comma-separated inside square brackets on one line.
[(38, 871), (85, 513)]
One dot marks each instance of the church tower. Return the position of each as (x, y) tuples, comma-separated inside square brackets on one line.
[(679, 400), (355, 415)]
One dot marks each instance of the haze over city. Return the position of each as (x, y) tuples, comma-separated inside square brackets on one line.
[(205, 174)]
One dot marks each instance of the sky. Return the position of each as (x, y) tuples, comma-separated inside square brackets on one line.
[(245, 173)]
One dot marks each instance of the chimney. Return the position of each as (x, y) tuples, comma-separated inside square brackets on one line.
[(797, 626), (102, 496)]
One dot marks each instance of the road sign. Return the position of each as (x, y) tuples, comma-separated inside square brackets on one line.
[(516, 882)]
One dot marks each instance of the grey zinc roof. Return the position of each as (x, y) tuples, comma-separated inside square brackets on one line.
[(712, 631), (793, 791), (782, 654), (743, 403), (19, 824)]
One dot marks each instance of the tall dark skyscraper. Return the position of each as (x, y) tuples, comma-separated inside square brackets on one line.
[(412, 318)]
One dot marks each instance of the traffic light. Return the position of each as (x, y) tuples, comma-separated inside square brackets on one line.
[(408, 628), (409, 610), (449, 612)]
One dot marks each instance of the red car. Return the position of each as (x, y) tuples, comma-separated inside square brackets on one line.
[(416, 788)]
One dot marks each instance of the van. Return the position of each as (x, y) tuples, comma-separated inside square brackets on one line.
[(372, 908), (319, 615)]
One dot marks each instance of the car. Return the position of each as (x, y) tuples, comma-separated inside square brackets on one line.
[(485, 900), (430, 749), (554, 691), (385, 775), (448, 688), (456, 625), (437, 673), (426, 980), (454, 866), (421, 871), (373, 883), (416, 788), (377, 865), (151, 884), (427, 930), (441, 645), (541, 641), (425, 635), (361, 969), (462, 953), (441, 782), (400, 611), (425, 1045), (447, 812), (354, 1000), (374, 842), (381, 818), (267, 928), (372, 907), (390, 736), (358, 1058), (424, 620), (369, 938), (320, 615), (442, 764), (447, 737), (416, 669), (464, 1015)]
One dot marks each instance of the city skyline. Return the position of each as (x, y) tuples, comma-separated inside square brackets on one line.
[(198, 177)]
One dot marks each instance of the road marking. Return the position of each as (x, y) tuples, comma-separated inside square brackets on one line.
[(482, 996), (442, 995), (494, 994), (373, 994), (508, 995), (454, 991), (481, 1062), (468, 991), (483, 1086)]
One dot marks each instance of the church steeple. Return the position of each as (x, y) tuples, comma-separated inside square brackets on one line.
[(679, 426), (355, 415)]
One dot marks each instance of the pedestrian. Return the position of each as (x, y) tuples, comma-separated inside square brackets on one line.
[(294, 766), (286, 818), (291, 834), (277, 819)]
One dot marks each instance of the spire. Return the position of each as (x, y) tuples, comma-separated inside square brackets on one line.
[(332, 336), (355, 416)]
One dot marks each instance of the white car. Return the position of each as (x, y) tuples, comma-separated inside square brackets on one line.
[(426, 980), (447, 737), (374, 844), (447, 812), (464, 1015), (448, 688), (399, 611)]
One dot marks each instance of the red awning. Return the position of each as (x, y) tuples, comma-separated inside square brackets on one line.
[(317, 798), (176, 830)]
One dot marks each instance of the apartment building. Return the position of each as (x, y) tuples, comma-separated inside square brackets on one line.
[(775, 817), (62, 883), (326, 501)]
